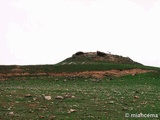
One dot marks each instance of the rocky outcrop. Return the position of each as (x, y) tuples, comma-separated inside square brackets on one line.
[(79, 53), (101, 56)]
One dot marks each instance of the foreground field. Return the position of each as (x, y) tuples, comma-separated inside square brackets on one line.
[(76, 98)]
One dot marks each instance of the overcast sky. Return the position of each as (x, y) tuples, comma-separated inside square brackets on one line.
[(48, 31)]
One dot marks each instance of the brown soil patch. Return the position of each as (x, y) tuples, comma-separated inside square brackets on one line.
[(101, 74), (17, 69), (95, 74)]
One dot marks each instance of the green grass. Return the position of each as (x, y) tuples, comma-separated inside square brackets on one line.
[(78, 67), (104, 100)]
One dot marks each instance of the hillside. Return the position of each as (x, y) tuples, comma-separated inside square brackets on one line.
[(86, 86), (99, 57), (90, 64)]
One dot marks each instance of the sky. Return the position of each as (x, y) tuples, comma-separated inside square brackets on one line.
[(49, 31)]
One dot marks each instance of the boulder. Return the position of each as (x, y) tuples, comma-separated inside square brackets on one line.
[(79, 53), (101, 54), (47, 97)]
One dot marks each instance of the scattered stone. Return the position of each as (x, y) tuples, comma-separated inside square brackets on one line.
[(71, 63), (47, 97), (75, 105), (71, 111), (34, 99), (64, 63), (115, 92), (133, 101), (136, 97), (69, 96), (122, 97), (11, 113), (111, 102), (41, 116), (124, 108), (127, 108), (9, 108), (133, 74), (144, 103), (72, 96), (59, 97), (52, 117), (31, 111), (130, 108), (28, 95), (65, 80)]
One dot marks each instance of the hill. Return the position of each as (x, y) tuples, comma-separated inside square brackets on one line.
[(90, 64), (85, 86), (99, 57)]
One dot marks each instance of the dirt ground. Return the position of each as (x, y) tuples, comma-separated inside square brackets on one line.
[(95, 74), (101, 74)]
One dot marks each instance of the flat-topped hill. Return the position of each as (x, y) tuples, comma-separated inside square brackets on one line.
[(98, 56), (81, 64)]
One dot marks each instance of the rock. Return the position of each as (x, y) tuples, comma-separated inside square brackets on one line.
[(59, 97), (47, 97), (111, 102), (102, 54), (34, 99), (71, 111), (9, 108), (133, 74), (70, 63), (11, 113), (69, 96), (28, 95), (144, 103), (64, 63), (79, 53), (72, 96), (125, 108), (130, 108), (41, 116), (52, 117), (65, 80), (136, 97)]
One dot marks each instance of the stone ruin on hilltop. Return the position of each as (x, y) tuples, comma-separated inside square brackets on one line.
[(102, 56)]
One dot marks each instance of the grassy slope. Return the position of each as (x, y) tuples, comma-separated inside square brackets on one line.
[(107, 99), (82, 63), (99, 66)]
